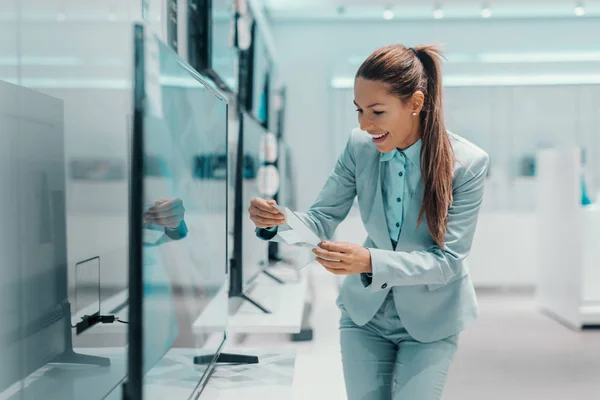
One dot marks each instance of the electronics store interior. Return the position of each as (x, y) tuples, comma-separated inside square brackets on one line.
[(147, 143)]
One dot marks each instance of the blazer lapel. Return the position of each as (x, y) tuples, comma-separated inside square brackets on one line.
[(377, 223)]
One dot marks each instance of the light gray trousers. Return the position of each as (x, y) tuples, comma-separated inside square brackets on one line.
[(383, 362)]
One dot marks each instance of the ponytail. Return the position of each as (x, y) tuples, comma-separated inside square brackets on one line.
[(437, 157)]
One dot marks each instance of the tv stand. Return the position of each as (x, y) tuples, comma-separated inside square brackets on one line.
[(69, 356), (275, 278), (253, 302), (226, 358)]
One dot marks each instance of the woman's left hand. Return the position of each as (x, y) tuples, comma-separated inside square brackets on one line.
[(353, 259)]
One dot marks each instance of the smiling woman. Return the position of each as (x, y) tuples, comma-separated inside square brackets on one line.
[(408, 293)]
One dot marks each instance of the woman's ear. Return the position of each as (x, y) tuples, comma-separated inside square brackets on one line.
[(416, 101)]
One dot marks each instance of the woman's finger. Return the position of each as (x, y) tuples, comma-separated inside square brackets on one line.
[(255, 212), (332, 266), (163, 205), (336, 271), (167, 221), (166, 214), (337, 247), (265, 222), (263, 205), (330, 255)]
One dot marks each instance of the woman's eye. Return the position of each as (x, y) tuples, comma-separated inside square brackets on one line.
[(358, 110), (378, 112)]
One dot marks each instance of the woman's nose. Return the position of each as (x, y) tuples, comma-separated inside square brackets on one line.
[(364, 124)]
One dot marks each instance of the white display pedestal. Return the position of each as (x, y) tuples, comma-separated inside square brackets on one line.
[(568, 287)]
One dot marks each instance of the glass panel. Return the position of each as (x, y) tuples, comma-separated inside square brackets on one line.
[(185, 213)]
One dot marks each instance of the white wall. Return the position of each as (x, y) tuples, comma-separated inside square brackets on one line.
[(311, 54)]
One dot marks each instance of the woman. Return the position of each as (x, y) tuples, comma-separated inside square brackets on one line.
[(408, 293)]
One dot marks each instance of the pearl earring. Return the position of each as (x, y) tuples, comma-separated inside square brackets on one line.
[(414, 114)]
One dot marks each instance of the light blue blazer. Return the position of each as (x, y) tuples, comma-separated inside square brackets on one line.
[(433, 291)]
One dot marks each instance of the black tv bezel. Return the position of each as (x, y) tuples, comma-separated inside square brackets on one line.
[(246, 74), (199, 41), (133, 387)]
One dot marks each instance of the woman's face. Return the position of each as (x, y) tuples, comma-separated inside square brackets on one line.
[(388, 120)]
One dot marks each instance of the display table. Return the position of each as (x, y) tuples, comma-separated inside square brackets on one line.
[(174, 377)]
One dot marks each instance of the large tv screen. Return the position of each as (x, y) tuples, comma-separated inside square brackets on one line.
[(178, 265)]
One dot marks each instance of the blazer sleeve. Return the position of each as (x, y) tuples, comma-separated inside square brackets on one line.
[(177, 233), (437, 265), (334, 201)]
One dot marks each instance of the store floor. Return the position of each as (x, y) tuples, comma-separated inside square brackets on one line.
[(512, 352)]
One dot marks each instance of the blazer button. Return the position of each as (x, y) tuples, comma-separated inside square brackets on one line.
[(384, 286)]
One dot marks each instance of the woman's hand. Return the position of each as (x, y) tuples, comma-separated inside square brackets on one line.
[(353, 259), (264, 215), (166, 213)]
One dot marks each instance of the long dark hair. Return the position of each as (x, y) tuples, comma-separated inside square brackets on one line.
[(404, 72)]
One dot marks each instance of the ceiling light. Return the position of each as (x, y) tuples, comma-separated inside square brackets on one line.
[(388, 14), (486, 12), (579, 10), (438, 13)]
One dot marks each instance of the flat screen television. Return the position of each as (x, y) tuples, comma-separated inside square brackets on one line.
[(210, 41), (34, 302), (178, 217), (250, 253)]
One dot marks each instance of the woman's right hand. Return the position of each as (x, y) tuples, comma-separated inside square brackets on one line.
[(264, 215)]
